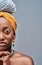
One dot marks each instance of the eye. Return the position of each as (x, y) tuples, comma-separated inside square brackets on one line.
[(7, 31)]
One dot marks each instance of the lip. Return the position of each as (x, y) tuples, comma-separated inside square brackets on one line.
[(2, 43)]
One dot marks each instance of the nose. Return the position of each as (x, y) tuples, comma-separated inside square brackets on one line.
[(1, 36)]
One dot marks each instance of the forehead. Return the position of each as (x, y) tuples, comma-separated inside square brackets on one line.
[(4, 22)]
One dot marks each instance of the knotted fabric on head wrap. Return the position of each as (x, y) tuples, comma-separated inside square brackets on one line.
[(10, 19), (7, 6)]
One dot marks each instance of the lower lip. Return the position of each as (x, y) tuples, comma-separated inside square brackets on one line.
[(1, 44)]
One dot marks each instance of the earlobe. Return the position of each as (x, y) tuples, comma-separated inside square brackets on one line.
[(14, 36)]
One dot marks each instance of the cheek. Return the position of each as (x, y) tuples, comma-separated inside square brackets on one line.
[(9, 38)]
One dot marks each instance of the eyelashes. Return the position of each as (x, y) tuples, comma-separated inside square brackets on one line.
[(7, 31)]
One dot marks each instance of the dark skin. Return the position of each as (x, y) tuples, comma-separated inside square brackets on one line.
[(7, 36)]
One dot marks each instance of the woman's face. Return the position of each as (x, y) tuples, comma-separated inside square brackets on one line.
[(6, 34)]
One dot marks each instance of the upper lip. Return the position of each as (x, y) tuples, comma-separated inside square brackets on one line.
[(2, 42)]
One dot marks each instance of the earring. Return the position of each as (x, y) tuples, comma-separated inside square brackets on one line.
[(12, 48)]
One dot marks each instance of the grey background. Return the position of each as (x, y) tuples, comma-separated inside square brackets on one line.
[(29, 30)]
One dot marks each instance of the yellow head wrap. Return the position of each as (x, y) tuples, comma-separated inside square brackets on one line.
[(10, 19)]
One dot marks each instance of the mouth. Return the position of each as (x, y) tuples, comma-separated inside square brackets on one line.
[(3, 46), (2, 43)]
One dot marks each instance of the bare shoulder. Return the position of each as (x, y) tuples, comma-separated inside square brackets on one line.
[(22, 59)]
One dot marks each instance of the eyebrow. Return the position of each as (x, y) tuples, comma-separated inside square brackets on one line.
[(6, 27)]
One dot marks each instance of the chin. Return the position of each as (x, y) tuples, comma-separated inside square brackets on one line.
[(2, 49)]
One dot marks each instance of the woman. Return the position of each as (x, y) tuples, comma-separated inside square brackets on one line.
[(8, 56)]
